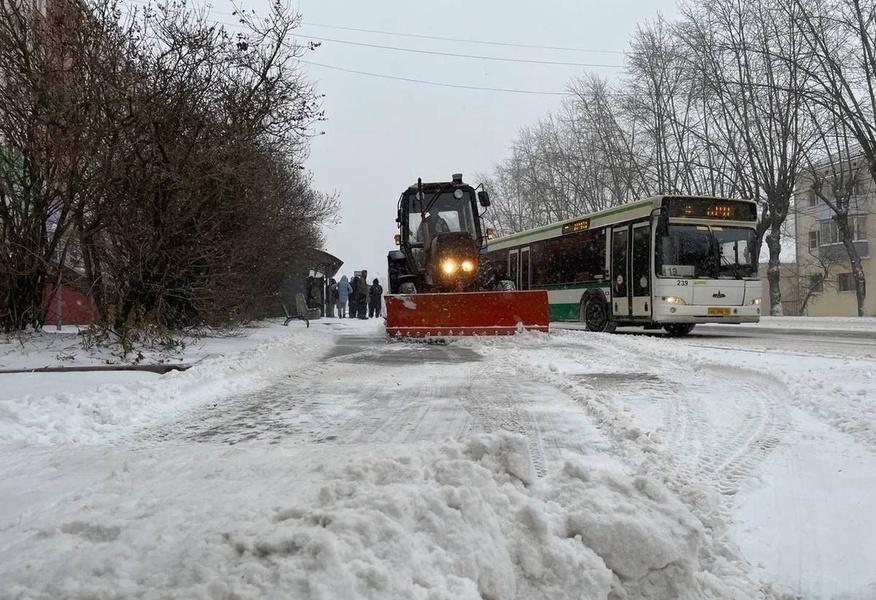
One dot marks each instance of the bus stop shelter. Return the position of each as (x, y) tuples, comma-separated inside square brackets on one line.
[(309, 276)]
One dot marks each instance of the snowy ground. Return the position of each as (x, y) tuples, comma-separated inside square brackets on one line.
[(326, 463)]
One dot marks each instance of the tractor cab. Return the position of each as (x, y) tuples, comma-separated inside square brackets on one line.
[(430, 209), (441, 234)]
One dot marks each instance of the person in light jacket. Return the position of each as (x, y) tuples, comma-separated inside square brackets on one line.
[(344, 290)]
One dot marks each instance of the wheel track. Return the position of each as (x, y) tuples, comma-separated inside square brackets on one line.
[(503, 411), (686, 452)]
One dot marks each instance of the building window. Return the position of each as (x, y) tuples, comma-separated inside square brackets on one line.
[(859, 229), (813, 239), (829, 232), (846, 282), (816, 283), (813, 198)]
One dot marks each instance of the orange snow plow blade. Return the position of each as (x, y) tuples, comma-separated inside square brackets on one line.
[(466, 313)]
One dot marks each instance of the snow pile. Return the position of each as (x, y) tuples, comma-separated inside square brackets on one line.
[(451, 521), (114, 412)]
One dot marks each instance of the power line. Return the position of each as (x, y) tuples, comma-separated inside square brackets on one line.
[(467, 41), (407, 79), (435, 83), (426, 37), (470, 56)]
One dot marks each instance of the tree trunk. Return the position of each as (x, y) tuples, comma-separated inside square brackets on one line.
[(774, 244), (857, 269)]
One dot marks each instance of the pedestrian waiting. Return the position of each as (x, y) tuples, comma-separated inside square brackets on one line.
[(344, 291), (375, 296)]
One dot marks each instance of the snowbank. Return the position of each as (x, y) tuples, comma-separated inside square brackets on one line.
[(33, 411), (448, 521)]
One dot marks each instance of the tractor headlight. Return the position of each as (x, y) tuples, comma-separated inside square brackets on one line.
[(673, 300), (468, 266), (755, 302), (449, 267)]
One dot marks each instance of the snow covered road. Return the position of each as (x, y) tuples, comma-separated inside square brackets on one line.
[(329, 463)]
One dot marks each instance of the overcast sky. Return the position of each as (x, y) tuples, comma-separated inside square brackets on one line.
[(381, 134)]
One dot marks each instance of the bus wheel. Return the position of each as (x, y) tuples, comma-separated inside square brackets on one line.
[(593, 312), (678, 329)]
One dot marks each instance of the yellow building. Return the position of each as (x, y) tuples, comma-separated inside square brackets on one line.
[(826, 287)]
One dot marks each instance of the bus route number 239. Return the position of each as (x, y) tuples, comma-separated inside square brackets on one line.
[(682, 282)]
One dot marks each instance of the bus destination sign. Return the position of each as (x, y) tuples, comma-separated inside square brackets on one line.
[(711, 208), (576, 226)]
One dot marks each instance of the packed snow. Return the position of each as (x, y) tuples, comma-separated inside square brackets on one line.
[(327, 463)]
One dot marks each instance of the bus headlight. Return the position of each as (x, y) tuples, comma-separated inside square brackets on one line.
[(755, 302), (467, 266), (673, 300), (449, 267)]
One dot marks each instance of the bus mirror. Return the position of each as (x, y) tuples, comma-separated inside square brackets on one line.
[(662, 225), (484, 198)]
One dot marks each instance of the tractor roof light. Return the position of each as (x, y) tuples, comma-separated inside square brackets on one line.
[(457, 178)]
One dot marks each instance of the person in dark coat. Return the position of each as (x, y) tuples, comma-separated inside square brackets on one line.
[(332, 297), (362, 295), (375, 294), (354, 297)]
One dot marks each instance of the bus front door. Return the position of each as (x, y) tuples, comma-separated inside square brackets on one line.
[(514, 267), (525, 277), (640, 275), (620, 287)]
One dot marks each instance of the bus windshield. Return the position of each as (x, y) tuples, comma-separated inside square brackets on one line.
[(702, 252)]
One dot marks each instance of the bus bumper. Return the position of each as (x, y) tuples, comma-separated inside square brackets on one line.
[(706, 314)]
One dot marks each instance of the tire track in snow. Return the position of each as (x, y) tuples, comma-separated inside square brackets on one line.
[(502, 408), (719, 422), (702, 449)]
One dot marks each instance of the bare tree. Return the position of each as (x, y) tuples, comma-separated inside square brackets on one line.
[(575, 161), (167, 160), (605, 141), (663, 100), (840, 39), (757, 93)]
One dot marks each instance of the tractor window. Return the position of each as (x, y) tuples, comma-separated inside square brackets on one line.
[(450, 219), (443, 213)]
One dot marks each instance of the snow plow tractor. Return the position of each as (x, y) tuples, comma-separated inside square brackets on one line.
[(438, 284)]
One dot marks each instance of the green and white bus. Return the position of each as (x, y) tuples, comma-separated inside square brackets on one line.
[(663, 262)]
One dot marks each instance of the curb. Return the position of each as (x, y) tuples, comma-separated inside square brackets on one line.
[(159, 369)]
